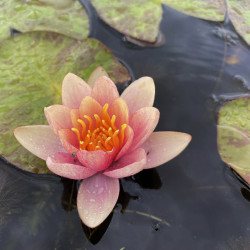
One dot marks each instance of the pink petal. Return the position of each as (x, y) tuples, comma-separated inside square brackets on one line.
[(89, 106), (74, 89), (63, 164), (104, 91), (143, 123), (69, 140), (164, 146), (96, 199), (39, 140), (97, 160), (128, 165), (128, 140), (139, 94), (58, 117), (98, 72), (119, 108)]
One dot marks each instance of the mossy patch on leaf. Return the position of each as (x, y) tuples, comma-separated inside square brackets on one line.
[(67, 17), (233, 136), (139, 19), (239, 14), (213, 10)]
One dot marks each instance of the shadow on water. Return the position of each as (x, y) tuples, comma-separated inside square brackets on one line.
[(194, 200)]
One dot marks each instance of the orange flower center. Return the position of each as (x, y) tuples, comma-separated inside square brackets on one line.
[(103, 135)]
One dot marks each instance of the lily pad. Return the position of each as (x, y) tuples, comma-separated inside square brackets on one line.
[(213, 10), (234, 135), (141, 19), (67, 17), (239, 13), (33, 66), (138, 19)]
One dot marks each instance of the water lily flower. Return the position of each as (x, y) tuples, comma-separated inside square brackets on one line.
[(98, 137)]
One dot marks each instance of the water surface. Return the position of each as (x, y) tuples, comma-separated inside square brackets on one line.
[(194, 201)]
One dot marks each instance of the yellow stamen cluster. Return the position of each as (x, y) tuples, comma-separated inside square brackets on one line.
[(101, 134)]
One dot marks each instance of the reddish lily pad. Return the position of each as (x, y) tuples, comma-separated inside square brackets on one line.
[(213, 10), (239, 13), (138, 19), (234, 135), (67, 17), (33, 66)]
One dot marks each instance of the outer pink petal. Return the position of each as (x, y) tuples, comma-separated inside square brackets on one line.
[(104, 90), (119, 108), (139, 94), (97, 160), (164, 146), (58, 117), (63, 164), (96, 199), (130, 164), (69, 140), (39, 140), (74, 89), (128, 140), (143, 123)]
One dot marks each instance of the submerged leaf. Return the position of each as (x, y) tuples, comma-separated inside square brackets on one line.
[(234, 136), (67, 17), (139, 19), (239, 13), (38, 209), (33, 66), (11, 195)]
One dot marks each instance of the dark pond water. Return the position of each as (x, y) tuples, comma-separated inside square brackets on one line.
[(193, 202)]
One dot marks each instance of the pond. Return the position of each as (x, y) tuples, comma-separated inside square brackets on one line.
[(195, 201)]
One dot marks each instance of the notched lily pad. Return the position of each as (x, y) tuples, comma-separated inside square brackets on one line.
[(67, 17), (233, 136), (239, 13), (138, 19), (33, 66), (213, 10)]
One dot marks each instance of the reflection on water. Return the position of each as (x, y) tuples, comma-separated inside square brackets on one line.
[(196, 193)]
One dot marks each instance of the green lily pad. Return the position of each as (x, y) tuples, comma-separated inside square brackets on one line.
[(239, 13), (213, 10), (233, 136), (139, 19), (67, 17), (33, 66)]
